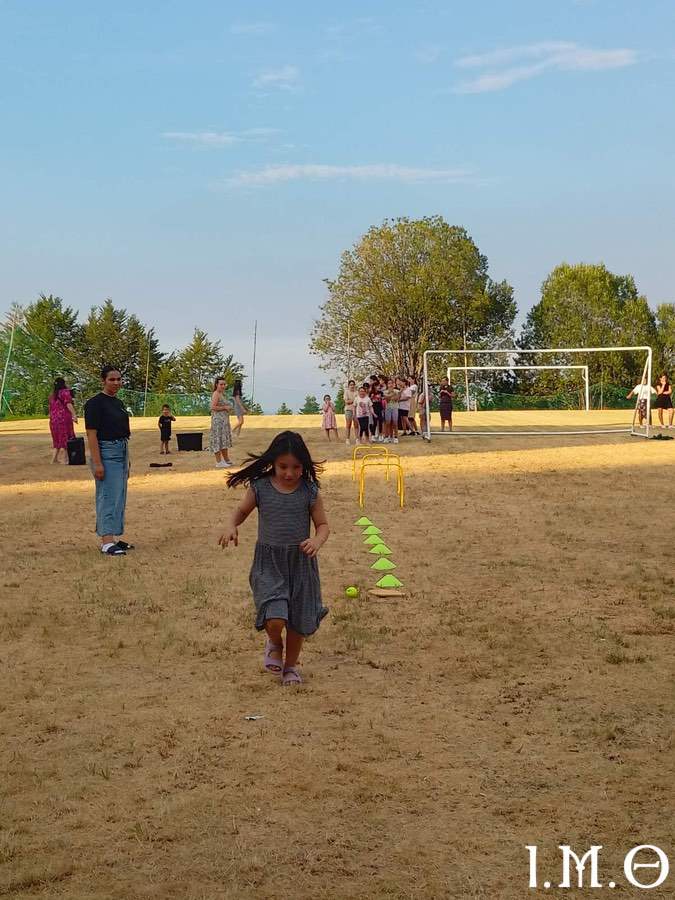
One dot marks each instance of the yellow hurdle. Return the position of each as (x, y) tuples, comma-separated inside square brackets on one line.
[(367, 463), (369, 450)]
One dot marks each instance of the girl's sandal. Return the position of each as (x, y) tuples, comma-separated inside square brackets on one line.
[(291, 676), (273, 664)]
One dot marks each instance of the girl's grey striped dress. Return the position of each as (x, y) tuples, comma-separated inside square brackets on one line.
[(285, 582)]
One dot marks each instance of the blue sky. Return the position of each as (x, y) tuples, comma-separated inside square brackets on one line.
[(206, 163)]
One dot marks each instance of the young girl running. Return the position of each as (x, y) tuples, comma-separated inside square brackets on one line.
[(329, 421), (283, 484)]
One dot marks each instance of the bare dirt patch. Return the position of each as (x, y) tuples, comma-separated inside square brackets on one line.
[(522, 693)]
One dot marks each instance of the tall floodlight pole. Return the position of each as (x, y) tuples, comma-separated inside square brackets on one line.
[(349, 349), (255, 347), (9, 353), (147, 374)]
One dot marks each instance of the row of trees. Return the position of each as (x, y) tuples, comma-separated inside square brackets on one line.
[(406, 286), (412, 285), (50, 341)]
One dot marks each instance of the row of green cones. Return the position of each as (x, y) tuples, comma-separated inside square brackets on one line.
[(379, 548)]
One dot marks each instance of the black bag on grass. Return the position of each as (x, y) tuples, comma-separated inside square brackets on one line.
[(75, 450)]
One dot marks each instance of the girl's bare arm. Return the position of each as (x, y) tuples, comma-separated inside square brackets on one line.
[(240, 514), (321, 530)]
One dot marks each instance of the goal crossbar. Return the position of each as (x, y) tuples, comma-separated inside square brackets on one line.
[(518, 351)]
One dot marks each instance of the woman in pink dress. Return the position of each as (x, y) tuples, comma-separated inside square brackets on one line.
[(61, 418), (329, 421)]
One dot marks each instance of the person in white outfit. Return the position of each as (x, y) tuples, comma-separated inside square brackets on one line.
[(642, 392)]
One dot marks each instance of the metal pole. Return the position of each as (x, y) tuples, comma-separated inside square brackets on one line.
[(147, 375), (649, 392), (255, 347), (426, 395), (466, 374), (349, 349), (9, 353), (588, 392)]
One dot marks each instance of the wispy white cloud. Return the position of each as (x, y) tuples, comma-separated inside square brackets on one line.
[(506, 67), (287, 78), (252, 28), (219, 138), (377, 172)]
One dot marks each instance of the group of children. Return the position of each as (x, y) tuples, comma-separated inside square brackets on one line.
[(379, 410)]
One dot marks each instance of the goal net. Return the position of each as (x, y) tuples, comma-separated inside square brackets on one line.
[(563, 390)]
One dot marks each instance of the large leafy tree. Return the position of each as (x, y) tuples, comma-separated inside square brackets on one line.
[(665, 323), (113, 336), (198, 365), (586, 305), (47, 343), (407, 286), (311, 406), (48, 320)]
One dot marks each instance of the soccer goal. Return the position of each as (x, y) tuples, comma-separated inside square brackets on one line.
[(466, 369), (508, 423)]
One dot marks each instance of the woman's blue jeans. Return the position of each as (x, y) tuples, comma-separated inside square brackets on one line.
[(111, 491)]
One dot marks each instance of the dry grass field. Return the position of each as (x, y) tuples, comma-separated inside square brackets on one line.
[(521, 693)]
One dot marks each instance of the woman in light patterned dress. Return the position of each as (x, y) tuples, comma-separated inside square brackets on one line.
[(221, 433)]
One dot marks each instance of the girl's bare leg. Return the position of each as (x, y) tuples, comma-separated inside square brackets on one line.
[(275, 635), (294, 643)]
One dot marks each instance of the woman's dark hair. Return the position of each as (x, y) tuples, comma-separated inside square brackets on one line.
[(259, 466), (59, 385), (219, 378), (106, 370), (351, 381), (665, 375), (236, 388)]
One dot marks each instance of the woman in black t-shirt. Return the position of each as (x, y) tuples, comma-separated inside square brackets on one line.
[(107, 424)]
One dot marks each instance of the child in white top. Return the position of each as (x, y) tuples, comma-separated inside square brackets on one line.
[(642, 392), (363, 411)]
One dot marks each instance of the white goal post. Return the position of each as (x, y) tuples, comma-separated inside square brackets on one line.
[(582, 369), (518, 351)]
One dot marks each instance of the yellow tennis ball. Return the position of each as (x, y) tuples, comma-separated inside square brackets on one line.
[(352, 592)]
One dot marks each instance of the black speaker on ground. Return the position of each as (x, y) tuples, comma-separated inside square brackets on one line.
[(75, 451), (189, 440)]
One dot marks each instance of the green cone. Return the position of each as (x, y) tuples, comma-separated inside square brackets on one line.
[(363, 521), (381, 550), (383, 564), (373, 539), (389, 581), (372, 529)]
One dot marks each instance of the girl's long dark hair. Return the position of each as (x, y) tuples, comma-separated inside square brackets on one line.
[(259, 466), (59, 385), (236, 388)]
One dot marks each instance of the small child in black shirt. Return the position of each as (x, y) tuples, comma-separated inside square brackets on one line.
[(164, 424)]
